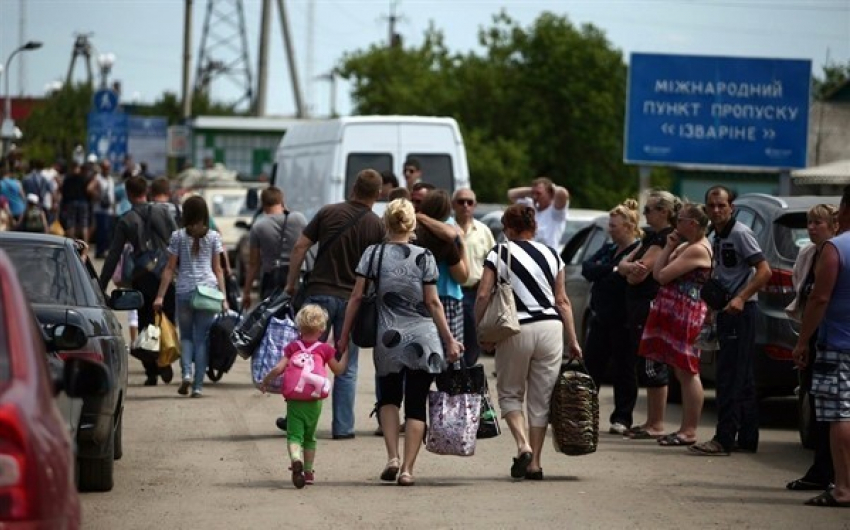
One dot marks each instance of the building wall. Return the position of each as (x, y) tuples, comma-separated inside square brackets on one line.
[(247, 152), (829, 132)]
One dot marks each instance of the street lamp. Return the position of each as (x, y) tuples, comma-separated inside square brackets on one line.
[(105, 61), (7, 130)]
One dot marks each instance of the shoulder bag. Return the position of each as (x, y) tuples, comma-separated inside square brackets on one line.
[(208, 299), (500, 319), (713, 293), (364, 333)]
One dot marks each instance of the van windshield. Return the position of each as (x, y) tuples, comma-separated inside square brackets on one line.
[(436, 170)]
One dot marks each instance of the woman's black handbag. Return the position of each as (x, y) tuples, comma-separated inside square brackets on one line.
[(365, 330), (461, 379), (714, 294), (248, 334)]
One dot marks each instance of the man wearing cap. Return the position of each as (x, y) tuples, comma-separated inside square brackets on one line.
[(33, 218)]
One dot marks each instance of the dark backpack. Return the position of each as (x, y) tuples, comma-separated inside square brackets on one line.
[(32, 220)]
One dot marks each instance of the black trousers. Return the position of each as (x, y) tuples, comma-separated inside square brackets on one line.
[(608, 342), (148, 285), (821, 470), (737, 407)]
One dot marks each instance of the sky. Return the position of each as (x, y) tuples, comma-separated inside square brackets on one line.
[(146, 36)]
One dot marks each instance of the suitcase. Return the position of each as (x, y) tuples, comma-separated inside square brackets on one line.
[(220, 350), (574, 411)]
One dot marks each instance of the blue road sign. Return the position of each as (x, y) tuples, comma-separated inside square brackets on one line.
[(105, 100), (717, 111), (107, 136)]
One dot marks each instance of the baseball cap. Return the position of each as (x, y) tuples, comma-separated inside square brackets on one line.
[(32, 198)]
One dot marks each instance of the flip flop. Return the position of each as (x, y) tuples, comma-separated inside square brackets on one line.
[(826, 500), (642, 434), (520, 466), (802, 484), (674, 440), (709, 448)]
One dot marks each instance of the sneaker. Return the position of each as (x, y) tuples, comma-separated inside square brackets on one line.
[(618, 428), (184, 386), (298, 478), (197, 394), (281, 423), (309, 477)]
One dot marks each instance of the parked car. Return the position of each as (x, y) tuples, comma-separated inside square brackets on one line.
[(62, 288), (37, 487), (779, 225)]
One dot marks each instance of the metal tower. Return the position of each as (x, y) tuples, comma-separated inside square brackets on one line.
[(82, 48), (224, 50)]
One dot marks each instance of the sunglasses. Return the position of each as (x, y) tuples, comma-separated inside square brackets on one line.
[(647, 209), (465, 202)]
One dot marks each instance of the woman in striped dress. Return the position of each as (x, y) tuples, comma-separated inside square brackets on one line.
[(528, 364)]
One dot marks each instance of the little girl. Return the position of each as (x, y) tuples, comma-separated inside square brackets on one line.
[(305, 385)]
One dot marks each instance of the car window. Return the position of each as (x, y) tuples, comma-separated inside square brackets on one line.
[(573, 249), (745, 217), (790, 234), (48, 278), (228, 204), (436, 170), (597, 238)]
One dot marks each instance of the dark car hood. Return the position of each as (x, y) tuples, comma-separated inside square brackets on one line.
[(90, 319)]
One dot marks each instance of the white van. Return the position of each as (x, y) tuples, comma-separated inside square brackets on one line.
[(317, 161)]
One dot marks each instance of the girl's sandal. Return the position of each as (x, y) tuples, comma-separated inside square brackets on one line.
[(406, 479), (390, 471)]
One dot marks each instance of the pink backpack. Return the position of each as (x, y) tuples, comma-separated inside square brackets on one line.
[(305, 377)]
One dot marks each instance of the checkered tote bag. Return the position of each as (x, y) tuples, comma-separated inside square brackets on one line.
[(279, 333)]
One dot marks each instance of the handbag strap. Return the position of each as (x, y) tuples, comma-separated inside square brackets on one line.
[(376, 275), (499, 278), (331, 240), (283, 256)]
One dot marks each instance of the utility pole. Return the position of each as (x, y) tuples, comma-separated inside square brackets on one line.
[(263, 59), (22, 38), (308, 67), (224, 49), (290, 57), (394, 39), (186, 85)]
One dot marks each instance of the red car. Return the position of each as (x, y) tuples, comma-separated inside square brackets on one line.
[(37, 487)]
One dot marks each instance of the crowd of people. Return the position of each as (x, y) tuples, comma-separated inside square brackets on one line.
[(655, 295)]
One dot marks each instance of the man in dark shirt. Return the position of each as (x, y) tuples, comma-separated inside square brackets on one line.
[(343, 231), (131, 229)]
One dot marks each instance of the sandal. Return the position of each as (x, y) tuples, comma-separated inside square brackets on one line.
[(642, 434), (390, 471), (406, 479), (826, 500), (298, 478), (801, 484), (709, 448), (534, 475), (521, 463), (675, 440)]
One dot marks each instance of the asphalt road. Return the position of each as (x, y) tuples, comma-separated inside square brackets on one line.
[(220, 462)]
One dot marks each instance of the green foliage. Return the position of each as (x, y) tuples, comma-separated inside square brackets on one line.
[(169, 106), (544, 100), (834, 75), (55, 128)]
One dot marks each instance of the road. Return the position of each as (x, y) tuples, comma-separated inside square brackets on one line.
[(220, 462)]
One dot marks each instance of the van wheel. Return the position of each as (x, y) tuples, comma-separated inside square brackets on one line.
[(96, 474)]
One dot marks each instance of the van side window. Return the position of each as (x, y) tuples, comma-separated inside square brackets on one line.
[(436, 170), (357, 162)]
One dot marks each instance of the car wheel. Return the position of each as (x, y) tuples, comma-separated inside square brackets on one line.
[(95, 474), (119, 437), (214, 375)]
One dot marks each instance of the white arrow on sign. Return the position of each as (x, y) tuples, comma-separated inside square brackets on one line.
[(768, 134)]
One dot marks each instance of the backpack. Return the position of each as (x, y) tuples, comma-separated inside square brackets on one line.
[(33, 220), (305, 377), (107, 192)]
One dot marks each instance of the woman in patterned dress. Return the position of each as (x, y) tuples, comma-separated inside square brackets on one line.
[(677, 314), (411, 322)]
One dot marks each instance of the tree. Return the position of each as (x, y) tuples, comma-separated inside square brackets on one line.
[(544, 100), (54, 129), (834, 75)]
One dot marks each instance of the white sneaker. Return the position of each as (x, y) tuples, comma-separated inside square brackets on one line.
[(197, 394), (618, 428)]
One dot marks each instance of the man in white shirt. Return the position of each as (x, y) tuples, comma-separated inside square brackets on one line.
[(551, 203)]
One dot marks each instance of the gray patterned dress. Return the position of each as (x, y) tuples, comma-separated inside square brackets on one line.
[(407, 335)]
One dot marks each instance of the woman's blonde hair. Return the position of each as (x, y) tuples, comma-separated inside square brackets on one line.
[(311, 319), (668, 201), (628, 210), (400, 217), (695, 211), (824, 212)]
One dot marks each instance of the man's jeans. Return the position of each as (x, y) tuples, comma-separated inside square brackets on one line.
[(345, 385), (737, 408), (471, 349)]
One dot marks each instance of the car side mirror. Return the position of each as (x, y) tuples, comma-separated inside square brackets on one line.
[(68, 337), (126, 299), (82, 378)]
